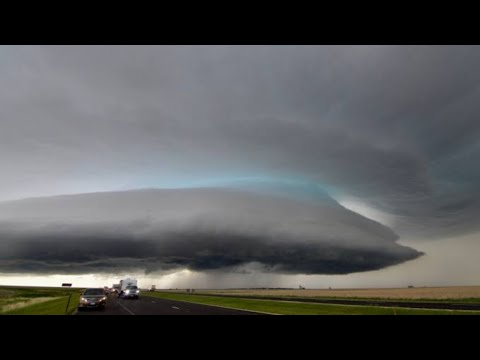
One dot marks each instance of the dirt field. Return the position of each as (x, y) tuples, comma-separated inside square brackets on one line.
[(460, 292)]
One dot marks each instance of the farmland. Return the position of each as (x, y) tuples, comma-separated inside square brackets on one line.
[(454, 293)]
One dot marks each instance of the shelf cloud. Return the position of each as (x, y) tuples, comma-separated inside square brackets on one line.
[(197, 229)]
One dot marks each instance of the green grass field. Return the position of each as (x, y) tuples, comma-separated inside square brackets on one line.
[(296, 308), (38, 301), (293, 298)]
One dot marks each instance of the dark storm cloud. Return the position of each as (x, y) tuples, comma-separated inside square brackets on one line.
[(203, 229)]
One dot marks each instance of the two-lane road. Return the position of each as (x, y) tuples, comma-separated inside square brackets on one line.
[(147, 305)]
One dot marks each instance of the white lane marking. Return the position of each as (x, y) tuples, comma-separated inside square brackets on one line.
[(131, 313), (176, 308)]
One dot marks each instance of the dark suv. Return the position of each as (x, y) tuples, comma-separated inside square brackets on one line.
[(93, 298)]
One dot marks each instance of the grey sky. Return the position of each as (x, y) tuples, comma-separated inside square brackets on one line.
[(392, 128)]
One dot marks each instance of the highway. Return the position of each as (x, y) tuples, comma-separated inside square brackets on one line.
[(147, 305)]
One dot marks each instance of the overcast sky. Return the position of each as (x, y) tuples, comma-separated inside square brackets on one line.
[(271, 160)]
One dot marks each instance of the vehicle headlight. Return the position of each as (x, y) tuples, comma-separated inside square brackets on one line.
[(104, 298), (83, 299), (127, 291), (138, 291)]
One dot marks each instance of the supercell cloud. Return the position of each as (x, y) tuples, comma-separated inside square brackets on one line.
[(200, 229), (391, 128)]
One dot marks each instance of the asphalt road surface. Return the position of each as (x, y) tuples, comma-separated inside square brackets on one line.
[(147, 305)]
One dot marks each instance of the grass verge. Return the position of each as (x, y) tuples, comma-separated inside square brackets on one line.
[(38, 301), (315, 298), (57, 306), (294, 308)]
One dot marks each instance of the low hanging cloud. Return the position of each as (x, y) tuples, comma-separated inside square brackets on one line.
[(197, 229)]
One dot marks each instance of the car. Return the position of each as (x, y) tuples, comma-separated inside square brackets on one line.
[(131, 292), (93, 298)]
